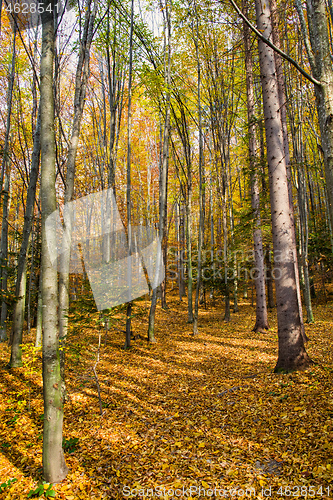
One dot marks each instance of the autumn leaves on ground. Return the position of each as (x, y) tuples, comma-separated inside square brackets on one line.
[(205, 412)]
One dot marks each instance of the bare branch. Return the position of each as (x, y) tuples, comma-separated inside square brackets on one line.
[(274, 47)]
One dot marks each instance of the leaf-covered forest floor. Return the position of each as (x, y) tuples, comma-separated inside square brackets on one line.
[(202, 411)]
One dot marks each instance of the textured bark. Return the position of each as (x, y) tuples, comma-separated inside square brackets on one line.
[(300, 160), (5, 193), (201, 182), (182, 292), (225, 252), (283, 114), (319, 55), (163, 177), (128, 186), (4, 255), (54, 466), (292, 353), (81, 80), (38, 341), (20, 290), (261, 324), (189, 249)]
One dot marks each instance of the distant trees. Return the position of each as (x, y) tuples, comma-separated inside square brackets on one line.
[(171, 119)]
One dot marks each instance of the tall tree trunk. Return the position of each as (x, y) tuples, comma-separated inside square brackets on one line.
[(39, 324), (319, 55), (20, 289), (283, 114), (225, 249), (4, 255), (201, 181), (292, 353), (189, 249), (4, 191), (54, 466), (163, 176), (81, 80), (128, 187), (261, 324), (182, 292), (269, 277)]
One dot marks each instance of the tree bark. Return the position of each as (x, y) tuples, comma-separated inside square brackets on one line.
[(128, 187), (163, 179), (319, 55), (54, 466), (292, 354), (81, 80), (261, 324), (283, 114), (4, 192), (20, 290), (201, 181)]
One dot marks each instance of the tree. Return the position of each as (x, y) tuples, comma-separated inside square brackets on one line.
[(20, 289), (54, 466), (128, 186), (5, 186), (261, 324), (292, 354), (163, 174), (319, 54), (81, 80)]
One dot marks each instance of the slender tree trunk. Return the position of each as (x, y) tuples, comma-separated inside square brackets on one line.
[(31, 280), (201, 181), (189, 250), (128, 188), (0, 14), (319, 54), (4, 192), (5, 153), (292, 354), (182, 292), (20, 290), (163, 178), (225, 252), (81, 80), (269, 277), (38, 341), (4, 256), (54, 466), (261, 324)]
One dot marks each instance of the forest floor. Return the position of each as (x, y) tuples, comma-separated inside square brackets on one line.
[(182, 418)]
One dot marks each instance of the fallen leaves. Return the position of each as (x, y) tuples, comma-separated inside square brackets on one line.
[(204, 411)]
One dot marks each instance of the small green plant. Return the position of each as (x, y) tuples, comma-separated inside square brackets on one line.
[(8, 483), (70, 444), (43, 488)]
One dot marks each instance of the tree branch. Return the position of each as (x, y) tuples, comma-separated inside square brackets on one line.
[(272, 46)]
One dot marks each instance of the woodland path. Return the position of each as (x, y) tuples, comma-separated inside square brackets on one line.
[(202, 411)]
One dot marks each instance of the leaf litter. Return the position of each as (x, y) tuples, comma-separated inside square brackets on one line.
[(203, 411)]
